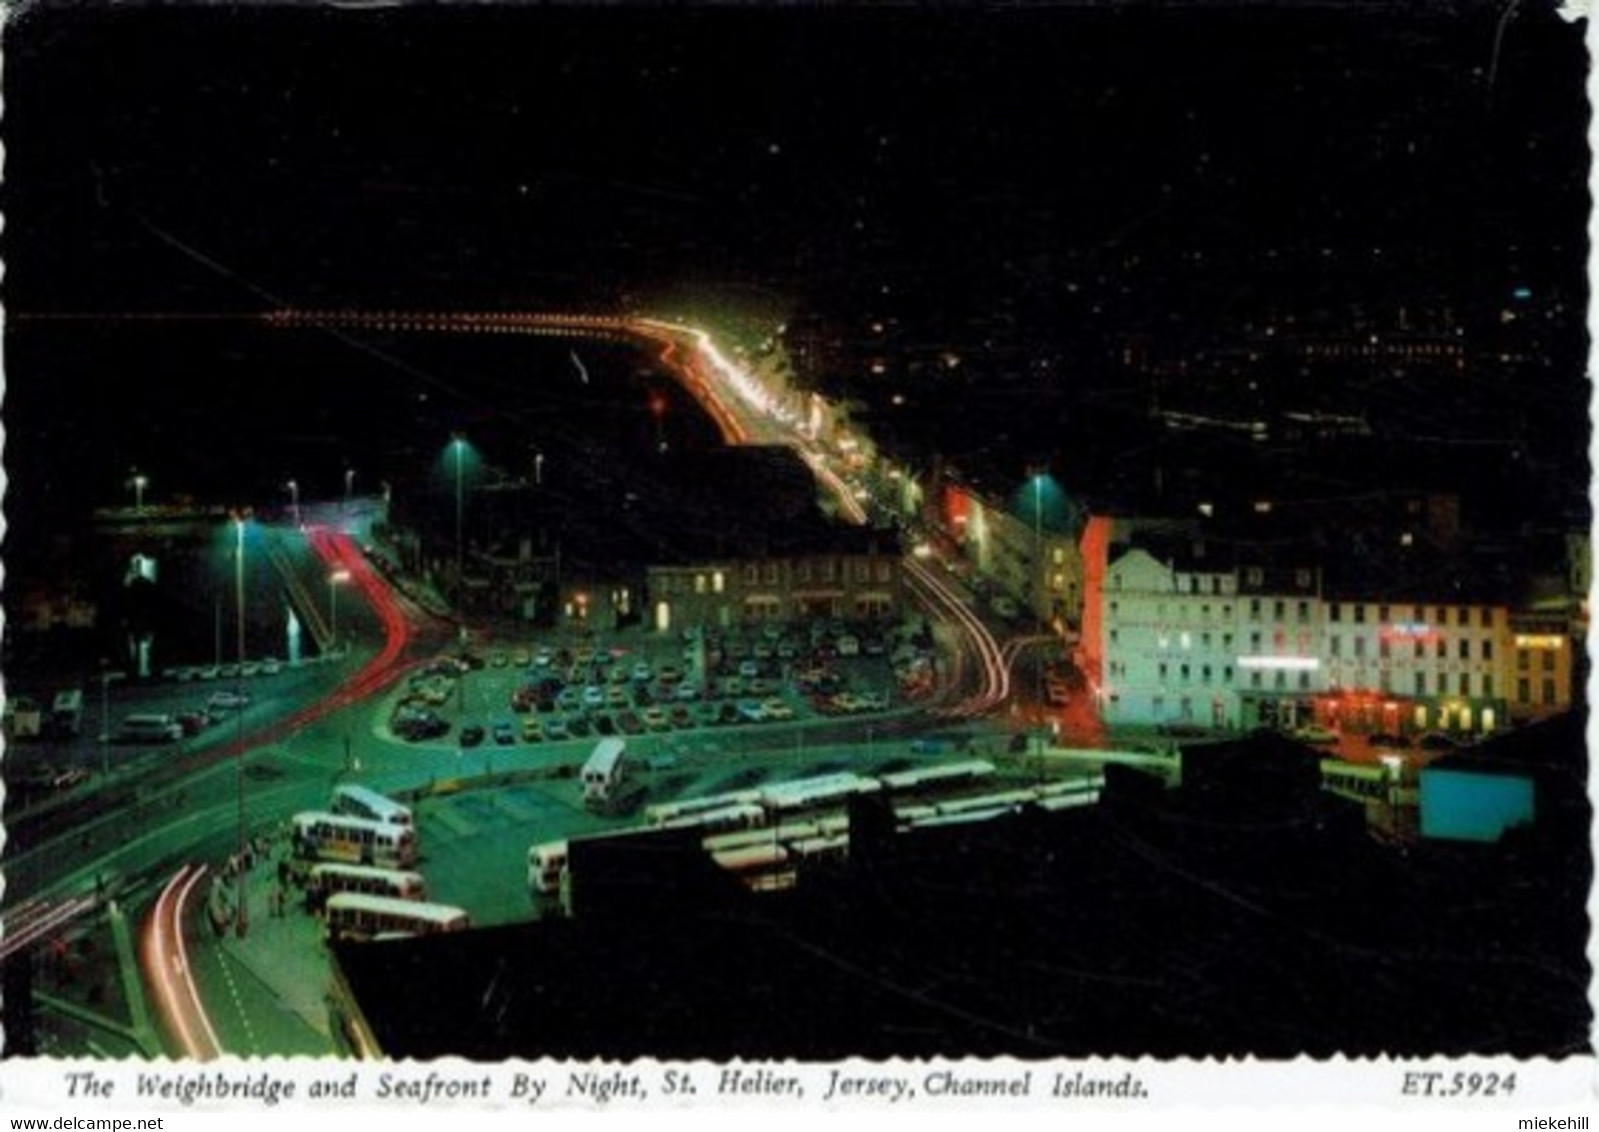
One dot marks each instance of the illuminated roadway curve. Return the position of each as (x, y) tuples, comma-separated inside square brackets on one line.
[(743, 411)]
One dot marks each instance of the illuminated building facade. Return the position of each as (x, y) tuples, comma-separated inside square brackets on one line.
[(1196, 636), (860, 585)]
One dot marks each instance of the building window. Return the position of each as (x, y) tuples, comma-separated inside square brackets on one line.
[(1464, 649), (1115, 608), (700, 583), (1161, 671), (1360, 647), (1254, 608), (1113, 636), (827, 569), (1204, 673), (1226, 640), (1183, 673), (1227, 674), (1486, 618), (1279, 680), (1335, 646), (1254, 679), (1277, 610), (1462, 616), (1441, 651), (1304, 612), (771, 573), (1523, 660), (863, 571), (1254, 641), (1548, 660), (1487, 648), (1421, 683), (1548, 693), (1116, 581), (752, 575), (1304, 681), (1384, 649), (1488, 685), (1465, 683), (802, 570), (718, 582), (1215, 585), (1523, 690), (1360, 614), (885, 571), (1421, 650)]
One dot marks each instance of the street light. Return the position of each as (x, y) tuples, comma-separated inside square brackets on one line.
[(139, 481), (242, 923), (334, 580), (294, 499), (538, 469), (349, 485), (459, 446)]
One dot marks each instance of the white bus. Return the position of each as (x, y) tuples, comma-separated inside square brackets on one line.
[(667, 813), (364, 802), (941, 775), (325, 880), (148, 727), (604, 771), (545, 864), (358, 916), (745, 816), (356, 841), (804, 793)]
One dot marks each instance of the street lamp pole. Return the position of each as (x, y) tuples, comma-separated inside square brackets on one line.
[(294, 499), (139, 482), (242, 922), (460, 455)]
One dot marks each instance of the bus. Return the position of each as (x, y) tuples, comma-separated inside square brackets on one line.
[(66, 713), (668, 813), (359, 916), (804, 793), (745, 816), (942, 775), (326, 880), (364, 802), (604, 772), (148, 727), (545, 864), (357, 841)]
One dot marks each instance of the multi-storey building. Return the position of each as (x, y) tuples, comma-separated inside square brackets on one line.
[(1191, 637), (849, 580), (1196, 634)]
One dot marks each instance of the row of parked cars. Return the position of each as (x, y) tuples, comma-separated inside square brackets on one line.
[(267, 666)]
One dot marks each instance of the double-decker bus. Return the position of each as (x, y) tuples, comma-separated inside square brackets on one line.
[(359, 916), (363, 802), (357, 841)]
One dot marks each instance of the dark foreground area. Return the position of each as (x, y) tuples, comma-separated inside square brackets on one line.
[(1245, 913)]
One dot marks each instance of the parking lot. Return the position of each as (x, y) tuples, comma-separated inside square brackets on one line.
[(511, 694)]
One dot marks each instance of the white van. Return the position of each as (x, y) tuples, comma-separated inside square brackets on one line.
[(604, 772)]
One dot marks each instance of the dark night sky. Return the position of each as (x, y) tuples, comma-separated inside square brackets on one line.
[(211, 159), (994, 164)]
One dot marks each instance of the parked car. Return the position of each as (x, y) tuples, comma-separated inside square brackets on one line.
[(504, 732), (471, 735), (227, 701)]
